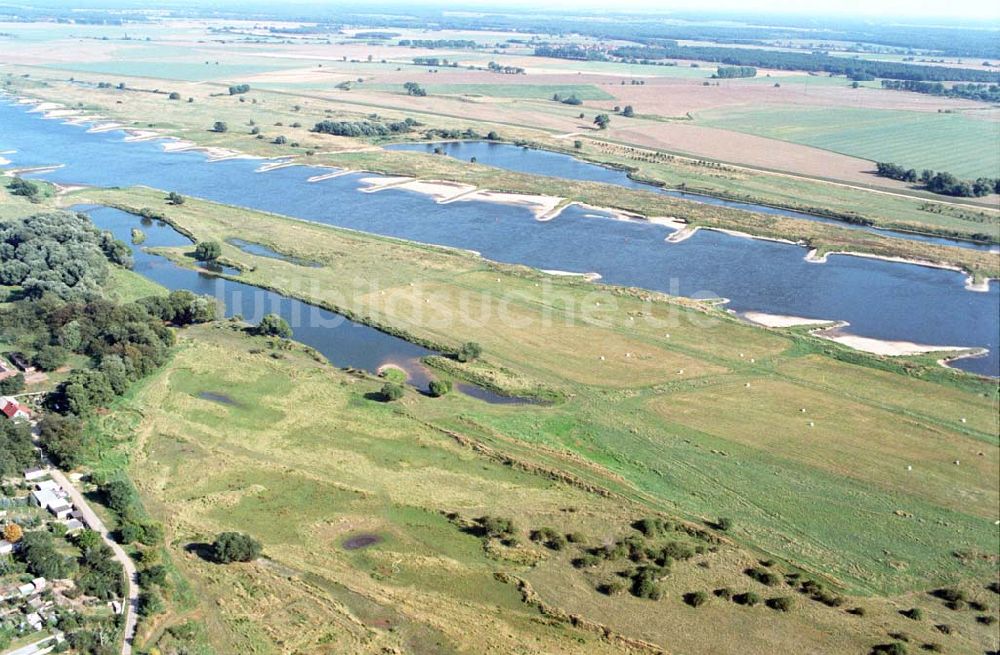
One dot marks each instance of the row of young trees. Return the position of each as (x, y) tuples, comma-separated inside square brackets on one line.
[(940, 182), (730, 72)]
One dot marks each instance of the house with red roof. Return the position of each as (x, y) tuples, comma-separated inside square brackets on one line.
[(14, 410)]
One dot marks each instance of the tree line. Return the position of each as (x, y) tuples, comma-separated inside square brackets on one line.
[(981, 92), (364, 128), (432, 44), (940, 182), (857, 69)]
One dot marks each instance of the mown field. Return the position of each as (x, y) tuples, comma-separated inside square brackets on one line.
[(966, 147)]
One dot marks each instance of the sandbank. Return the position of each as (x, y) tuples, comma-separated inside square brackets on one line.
[(781, 320)]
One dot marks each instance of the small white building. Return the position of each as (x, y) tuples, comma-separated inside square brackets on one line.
[(40, 584), (27, 589), (34, 474), (35, 621), (6, 548), (54, 501)]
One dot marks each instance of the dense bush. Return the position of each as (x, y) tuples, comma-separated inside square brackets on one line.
[(696, 598), (272, 325), (392, 391), (63, 440), (781, 603), (469, 352), (235, 547), (440, 388)]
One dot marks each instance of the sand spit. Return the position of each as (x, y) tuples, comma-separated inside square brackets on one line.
[(105, 127), (442, 192), (271, 166), (782, 321), (330, 176), (682, 234), (589, 277), (882, 346), (42, 107), (14, 172), (813, 257), (142, 135), (539, 205), (447, 192)]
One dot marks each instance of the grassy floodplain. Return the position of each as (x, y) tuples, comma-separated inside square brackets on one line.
[(637, 392), (225, 438)]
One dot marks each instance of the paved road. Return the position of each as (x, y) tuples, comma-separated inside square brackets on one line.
[(131, 575)]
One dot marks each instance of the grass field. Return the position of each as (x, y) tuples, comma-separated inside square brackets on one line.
[(964, 146), (246, 460)]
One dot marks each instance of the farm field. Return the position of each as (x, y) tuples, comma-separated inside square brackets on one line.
[(955, 143), (535, 91)]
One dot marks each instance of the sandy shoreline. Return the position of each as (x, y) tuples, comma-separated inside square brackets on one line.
[(883, 346), (589, 277), (781, 320)]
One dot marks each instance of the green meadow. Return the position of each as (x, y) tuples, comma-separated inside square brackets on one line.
[(955, 143)]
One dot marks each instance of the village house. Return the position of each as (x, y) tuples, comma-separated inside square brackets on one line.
[(6, 548), (13, 409), (53, 500)]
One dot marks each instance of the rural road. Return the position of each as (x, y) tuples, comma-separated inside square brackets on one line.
[(131, 575)]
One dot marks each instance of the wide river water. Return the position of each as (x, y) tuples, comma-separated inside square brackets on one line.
[(879, 299)]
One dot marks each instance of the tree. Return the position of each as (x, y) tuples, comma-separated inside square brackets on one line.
[(49, 358), (392, 391), (43, 560), (63, 440), (150, 603), (235, 547), (272, 325), (628, 112), (220, 126), (175, 198), (119, 496), (12, 532), (174, 96), (12, 385), (440, 388), (414, 89), (280, 140), (469, 352), (602, 121), (208, 251), (724, 524), (26, 188)]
